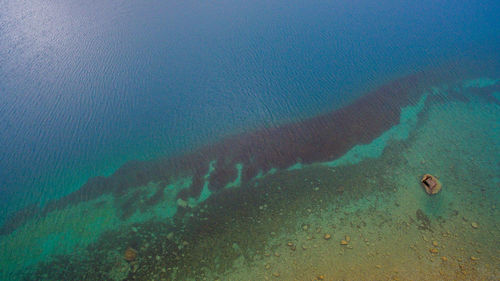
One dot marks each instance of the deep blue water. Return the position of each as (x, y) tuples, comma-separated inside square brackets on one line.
[(87, 85)]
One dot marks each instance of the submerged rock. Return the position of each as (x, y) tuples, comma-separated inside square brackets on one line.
[(431, 184), (130, 254)]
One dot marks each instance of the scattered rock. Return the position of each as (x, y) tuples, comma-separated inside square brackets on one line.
[(118, 272), (327, 236), (348, 238), (433, 251), (343, 242), (267, 266), (474, 225), (130, 254), (434, 243), (443, 258), (425, 221), (473, 258), (276, 274)]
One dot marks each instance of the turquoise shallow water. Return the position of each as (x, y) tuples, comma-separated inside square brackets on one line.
[(138, 121)]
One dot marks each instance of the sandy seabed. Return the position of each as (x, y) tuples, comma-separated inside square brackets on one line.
[(398, 232)]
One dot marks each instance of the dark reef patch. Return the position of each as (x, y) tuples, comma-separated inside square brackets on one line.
[(322, 138)]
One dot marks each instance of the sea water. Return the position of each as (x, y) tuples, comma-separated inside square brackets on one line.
[(247, 140)]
